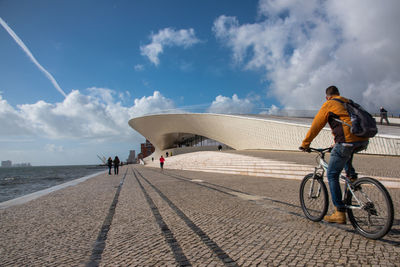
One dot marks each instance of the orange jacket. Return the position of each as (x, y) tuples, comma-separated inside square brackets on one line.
[(332, 109)]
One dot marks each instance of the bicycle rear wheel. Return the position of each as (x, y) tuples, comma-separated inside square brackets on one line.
[(314, 197), (370, 209)]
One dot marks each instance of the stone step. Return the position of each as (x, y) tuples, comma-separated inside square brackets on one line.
[(299, 175), (218, 162), (243, 163), (260, 167), (248, 170), (296, 176)]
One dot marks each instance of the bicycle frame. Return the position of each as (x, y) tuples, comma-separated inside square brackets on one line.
[(348, 185)]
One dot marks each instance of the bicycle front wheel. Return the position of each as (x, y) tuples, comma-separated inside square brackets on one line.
[(314, 198), (370, 209)]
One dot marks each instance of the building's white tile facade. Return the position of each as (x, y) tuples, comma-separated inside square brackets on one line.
[(241, 132)]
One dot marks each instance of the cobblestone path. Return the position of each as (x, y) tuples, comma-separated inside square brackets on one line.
[(145, 217)]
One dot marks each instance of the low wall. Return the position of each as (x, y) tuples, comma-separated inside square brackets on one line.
[(390, 119), (180, 150)]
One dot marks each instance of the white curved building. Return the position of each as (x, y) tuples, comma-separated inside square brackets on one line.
[(167, 131)]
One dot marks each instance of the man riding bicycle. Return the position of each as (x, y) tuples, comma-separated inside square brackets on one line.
[(346, 144)]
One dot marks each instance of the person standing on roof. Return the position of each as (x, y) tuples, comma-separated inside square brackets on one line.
[(384, 116), (346, 144)]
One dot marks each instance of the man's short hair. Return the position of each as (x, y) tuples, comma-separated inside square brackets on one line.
[(332, 90)]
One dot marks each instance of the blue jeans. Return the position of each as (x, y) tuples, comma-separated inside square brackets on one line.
[(342, 157)]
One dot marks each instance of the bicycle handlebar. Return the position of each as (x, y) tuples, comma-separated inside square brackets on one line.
[(319, 150)]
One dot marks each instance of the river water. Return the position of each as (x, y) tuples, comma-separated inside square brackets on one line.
[(19, 181)]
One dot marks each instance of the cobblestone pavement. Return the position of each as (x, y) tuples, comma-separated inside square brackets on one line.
[(145, 217), (58, 229)]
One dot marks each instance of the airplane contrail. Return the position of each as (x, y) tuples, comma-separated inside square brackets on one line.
[(26, 50)]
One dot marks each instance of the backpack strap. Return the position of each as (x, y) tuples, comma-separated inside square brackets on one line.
[(341, 101), (338, 100)]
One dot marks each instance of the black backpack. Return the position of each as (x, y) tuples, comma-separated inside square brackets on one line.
[(362, 123)]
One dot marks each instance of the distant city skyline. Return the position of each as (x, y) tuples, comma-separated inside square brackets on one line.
[(8, 163), (74, 72)]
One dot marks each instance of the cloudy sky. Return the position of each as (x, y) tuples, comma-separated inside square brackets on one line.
[(72, 73)]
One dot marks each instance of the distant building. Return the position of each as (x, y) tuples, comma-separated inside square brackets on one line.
[(132, 156), (6, 163), (25, 164), (146, 149)]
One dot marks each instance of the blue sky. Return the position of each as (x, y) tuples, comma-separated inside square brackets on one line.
[(97, 44), (115, 60)]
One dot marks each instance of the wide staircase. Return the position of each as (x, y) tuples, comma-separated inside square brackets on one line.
[(220, 162)]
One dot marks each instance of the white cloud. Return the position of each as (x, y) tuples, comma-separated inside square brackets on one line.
[(94, 116), (168, 37), (304, 47), (124, 96), (11, 121), (156, 103), (223, 104), (273, 110), (54, 148), (138, 67)]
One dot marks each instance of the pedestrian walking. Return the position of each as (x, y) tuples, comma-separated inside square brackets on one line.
[(109, 163), (116, 165), (162, 160)]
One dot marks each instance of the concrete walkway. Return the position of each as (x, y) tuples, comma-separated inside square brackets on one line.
[(145, 217)]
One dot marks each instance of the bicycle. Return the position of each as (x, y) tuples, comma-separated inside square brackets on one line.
[(369, 205)]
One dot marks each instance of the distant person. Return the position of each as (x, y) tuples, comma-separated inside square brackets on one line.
[(152, 159), (219, 147), (116, 165), (166, 154), (384, 115), (162, 160), (109, 163)]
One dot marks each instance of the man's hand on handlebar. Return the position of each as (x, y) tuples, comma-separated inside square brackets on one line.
[(304, 149)]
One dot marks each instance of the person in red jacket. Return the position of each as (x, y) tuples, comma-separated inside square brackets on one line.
[(346, 144), (162, 160)]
